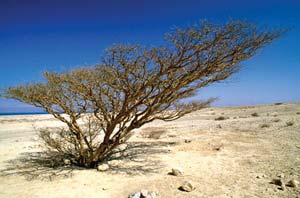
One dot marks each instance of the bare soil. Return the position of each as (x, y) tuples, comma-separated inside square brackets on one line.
[(237, 156)]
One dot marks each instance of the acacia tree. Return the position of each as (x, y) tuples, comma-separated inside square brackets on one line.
[(135, 85)]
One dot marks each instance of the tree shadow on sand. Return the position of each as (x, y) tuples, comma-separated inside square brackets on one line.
[(136, 158)]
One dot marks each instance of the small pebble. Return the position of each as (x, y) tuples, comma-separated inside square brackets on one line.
[(144, 193), (293, 183), (277, 182), (283, 188), (67, 162), (187, 187), (187, 141), (103, 167), (281, 175), (175, 172)]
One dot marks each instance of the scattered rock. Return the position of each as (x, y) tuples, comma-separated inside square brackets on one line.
[(293, 183), (135, 195), (275, 120), (283, 188), (221, 118), (113, 162), (264, 125), (171, 143), (277, 182), (187, 187), (103, 167), (260, 176), (219, 126), (122, 147), (187, 141), (275, 114), (175, 172), (143, 194), (281, 175), (218, 148), (73, 161), (289, 123), (139, 160), (35, 139), (67, 162), (116, 155), (152, 195)]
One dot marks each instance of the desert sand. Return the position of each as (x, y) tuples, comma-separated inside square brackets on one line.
[(223, 152)]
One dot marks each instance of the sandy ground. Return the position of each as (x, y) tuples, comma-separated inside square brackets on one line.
[(235, 157)]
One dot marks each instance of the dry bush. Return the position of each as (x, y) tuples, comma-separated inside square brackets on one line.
[(278, 103), (134, 85), (298, 113)]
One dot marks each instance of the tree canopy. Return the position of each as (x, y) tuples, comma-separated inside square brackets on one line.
[(134, 85)]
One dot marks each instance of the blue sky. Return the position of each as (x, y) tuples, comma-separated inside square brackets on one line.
[(52, 35)]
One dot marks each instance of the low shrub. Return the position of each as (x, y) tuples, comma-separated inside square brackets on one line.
[(254, 114), (278, 103)]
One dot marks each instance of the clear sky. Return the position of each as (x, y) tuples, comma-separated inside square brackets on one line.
[(56, 35)]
